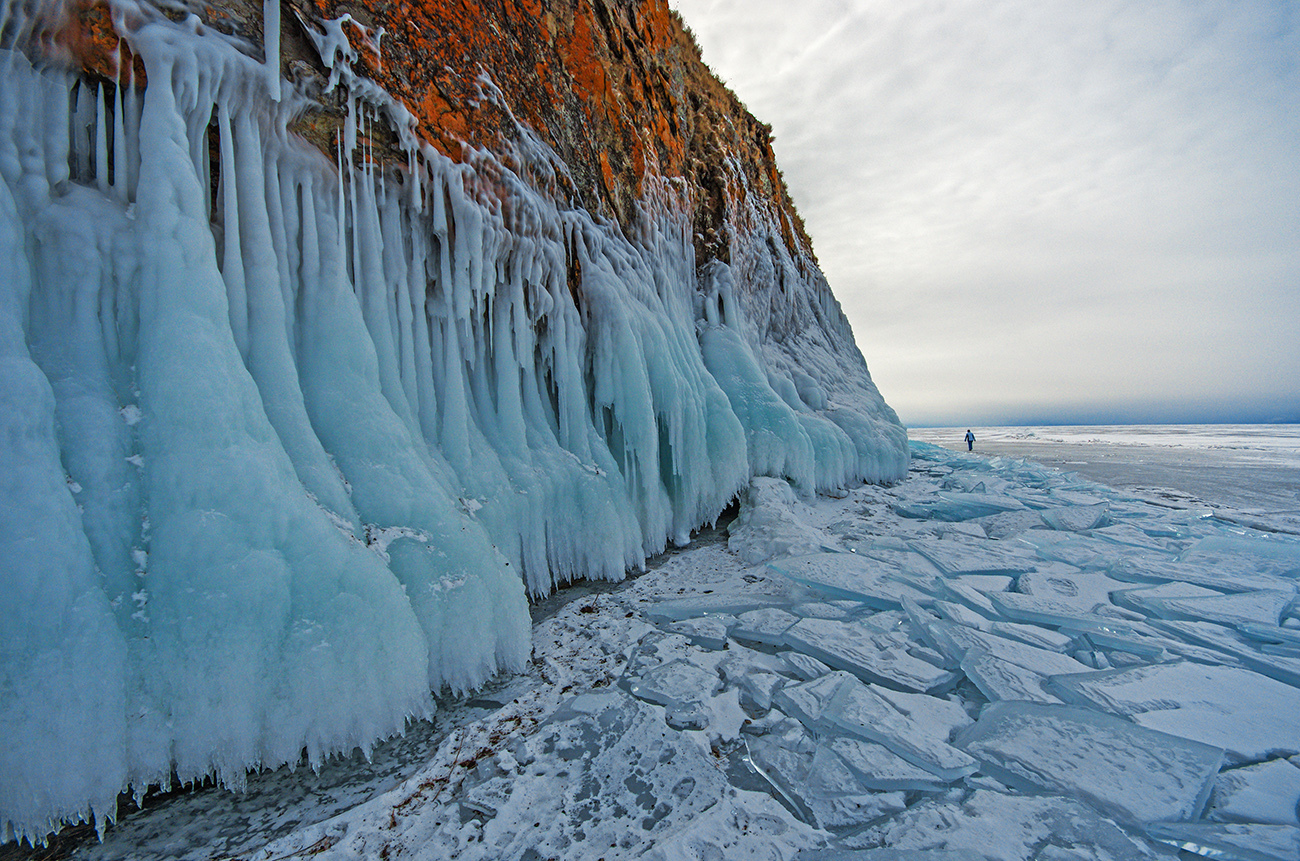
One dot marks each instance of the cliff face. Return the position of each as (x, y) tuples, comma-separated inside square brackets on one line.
[(330, 333), (616, 88)]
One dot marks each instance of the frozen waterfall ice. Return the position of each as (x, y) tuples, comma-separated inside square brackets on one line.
[(286, 449)]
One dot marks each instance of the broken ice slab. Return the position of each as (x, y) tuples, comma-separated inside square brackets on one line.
[(1076, 518), (826, 609), (854, 577), (972, 596), (962, 615), (675, 683), (742, 661), (697, 606), (1284, 650), (1010, 523), (1040, 638), (824, 793), (1085, 589), (830, 777), (894, 549), (808, 701), (1272, 554), (985, 582), (1002, 680), (990, 498), (1043, 610), (763, 626), (1126, 771), (994, 826), (914, 726), (868, 652), (879, 768), (960, 556), (963, 529), (1072, 548), (1131, 536), (1270, 633), (951, 506), (708, 632), (1137, 595), (1075, 498), (976, 482), (1268, 792), (887, 855), (1119, 639), (955, 641), (1136, 599), (803, 666), (1231, 842), (1225, 640), (1161, 526), (1093, 658), (654, 648), (1264, 607), (1251, 716), (687, 716), (756, 690), (1146, 569)]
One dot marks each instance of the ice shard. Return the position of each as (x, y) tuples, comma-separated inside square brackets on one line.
[(1233, 841), (1250, 715), (886, 657), (1126, 771), (998, 827)]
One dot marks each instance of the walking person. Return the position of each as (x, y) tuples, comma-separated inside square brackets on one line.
[(970, 440)]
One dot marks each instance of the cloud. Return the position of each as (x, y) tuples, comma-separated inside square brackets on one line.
[(1075, 203)]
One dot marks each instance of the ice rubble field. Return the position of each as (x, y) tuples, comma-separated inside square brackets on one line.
[(990, 659)]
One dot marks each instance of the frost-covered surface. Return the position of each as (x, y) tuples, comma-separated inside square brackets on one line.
[(286, 450), (680, 715)]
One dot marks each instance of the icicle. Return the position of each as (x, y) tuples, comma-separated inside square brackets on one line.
[(101, 143), (82, 118), (271, 46), (120, 157), (340, 201), (131, 154), (232, 261)]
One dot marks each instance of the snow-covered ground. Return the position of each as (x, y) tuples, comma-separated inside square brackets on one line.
[(991, 658)]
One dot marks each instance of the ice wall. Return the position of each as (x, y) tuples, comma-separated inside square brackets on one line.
[(287, 442)]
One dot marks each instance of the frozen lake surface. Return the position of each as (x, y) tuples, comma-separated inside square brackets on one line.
[(990, 660), (1252, 468)]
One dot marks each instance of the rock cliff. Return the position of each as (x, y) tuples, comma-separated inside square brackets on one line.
[(617, 89)]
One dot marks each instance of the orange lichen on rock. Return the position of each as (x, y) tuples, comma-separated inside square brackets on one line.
[(616, 88), (85, 30)]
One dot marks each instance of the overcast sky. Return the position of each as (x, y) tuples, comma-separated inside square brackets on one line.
[(1043, 210)]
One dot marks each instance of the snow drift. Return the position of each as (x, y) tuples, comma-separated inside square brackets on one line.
[(288, 440)]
